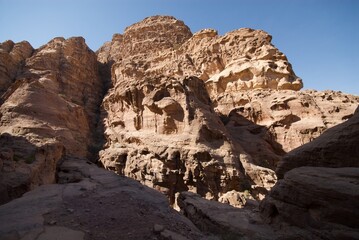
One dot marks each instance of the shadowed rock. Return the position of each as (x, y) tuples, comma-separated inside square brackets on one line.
[(336, 147)]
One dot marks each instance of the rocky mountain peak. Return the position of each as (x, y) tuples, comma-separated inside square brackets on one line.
[(153, 35), (240, 60)]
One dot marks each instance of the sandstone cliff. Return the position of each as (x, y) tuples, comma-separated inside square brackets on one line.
[(12, 58), (320, 185), (49, 110), (336, 147), (204, 112), (179, 112), (198, 112)]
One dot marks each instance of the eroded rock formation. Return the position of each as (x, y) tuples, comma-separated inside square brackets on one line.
[(204, 112), (336, 147), (49, 110), (319, 185), (168, 137), (197, 112), (292, 118), (12, 58)]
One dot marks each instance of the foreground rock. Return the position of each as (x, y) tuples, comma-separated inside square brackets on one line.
[(322, 200), (336, 147), (227, 222), (25, 165), (320, 189), (222, 219), (92, 203)]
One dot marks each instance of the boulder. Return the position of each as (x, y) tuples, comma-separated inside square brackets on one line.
[(322, 200), (223, 220)]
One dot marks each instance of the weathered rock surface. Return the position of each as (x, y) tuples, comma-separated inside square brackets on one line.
[(227, 222), (318, 189), (290, 118), (50, 110), (184, 112), (323, 200), (241, 60), (165, 134), (154, 102), (12, 58), (166, 129), (336, 147), (25, 165), (92, 203), (57, 94), (222, 219)]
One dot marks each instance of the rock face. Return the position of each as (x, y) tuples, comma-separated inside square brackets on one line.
[(336, 147), (48, 111), (168, 138), (161, 125), (12, 58), (291, 118), (206, 113), (240, 60), (322, 200), (203, 113), (319, 190), (25, 165)]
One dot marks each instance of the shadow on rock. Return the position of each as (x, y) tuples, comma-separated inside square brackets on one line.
[(25, 165)]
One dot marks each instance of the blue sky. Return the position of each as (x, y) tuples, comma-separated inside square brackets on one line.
[(320, 38)]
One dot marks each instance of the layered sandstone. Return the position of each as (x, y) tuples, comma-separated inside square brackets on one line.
[(291, 118), (336, 147), (241, 60), (197, 112), (318, 189), (163, 133), (12, 58), (161, 126), (50, 110), (200, 112), (170, 131), (239, 123)]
